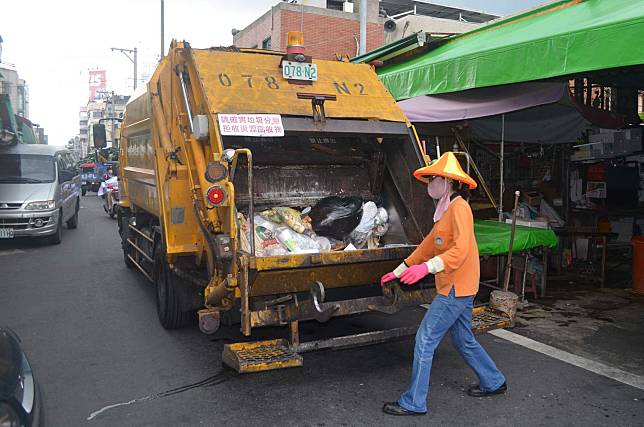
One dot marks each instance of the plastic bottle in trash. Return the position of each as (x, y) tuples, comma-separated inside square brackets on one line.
[(296, 242), (323, 243)]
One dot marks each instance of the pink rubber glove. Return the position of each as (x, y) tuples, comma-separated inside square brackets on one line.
[(414, 273), (387, 278)]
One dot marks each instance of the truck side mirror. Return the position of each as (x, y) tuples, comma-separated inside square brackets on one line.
[(98, 135)]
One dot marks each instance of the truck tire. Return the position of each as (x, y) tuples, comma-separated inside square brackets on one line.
[(169, 305), (124, 231)]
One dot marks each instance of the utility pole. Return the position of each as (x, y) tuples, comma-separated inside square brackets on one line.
[(363, 26), (132, 58), (162, 28), (114, 144)]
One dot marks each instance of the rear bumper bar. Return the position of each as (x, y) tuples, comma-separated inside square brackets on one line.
[(392, 301)]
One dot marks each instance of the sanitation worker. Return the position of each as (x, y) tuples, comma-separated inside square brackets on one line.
[(450, 253)]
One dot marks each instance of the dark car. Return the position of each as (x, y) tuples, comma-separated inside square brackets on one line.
[(19, 394)]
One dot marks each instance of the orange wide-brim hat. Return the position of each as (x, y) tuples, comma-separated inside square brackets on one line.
[(446, 166)]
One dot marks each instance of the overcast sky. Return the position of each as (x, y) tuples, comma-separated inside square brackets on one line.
[(53, 43)]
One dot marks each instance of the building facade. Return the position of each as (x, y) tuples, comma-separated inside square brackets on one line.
[(332, 27), (83, 132), (329, 33), (41, 136), (16, 88), (109, 111)]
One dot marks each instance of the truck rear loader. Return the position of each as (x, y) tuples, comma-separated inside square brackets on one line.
[(221, 132)]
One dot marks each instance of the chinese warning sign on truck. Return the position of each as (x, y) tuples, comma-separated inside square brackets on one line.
[(251, 124)]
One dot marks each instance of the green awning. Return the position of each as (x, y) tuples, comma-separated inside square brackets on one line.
[(561, 39), (493, 238), (391, 50)]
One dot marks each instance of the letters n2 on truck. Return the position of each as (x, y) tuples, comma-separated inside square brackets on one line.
[(268, 196)]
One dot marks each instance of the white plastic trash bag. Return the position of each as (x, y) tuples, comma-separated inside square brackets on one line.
[(361, 233)]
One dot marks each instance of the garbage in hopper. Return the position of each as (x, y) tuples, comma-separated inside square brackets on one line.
[(336, 216), (271, 215), (361, 233), (296, 242), (292, 218), (345, 222), (266, 242)]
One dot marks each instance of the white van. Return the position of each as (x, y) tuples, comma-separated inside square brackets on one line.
[(40, 190)]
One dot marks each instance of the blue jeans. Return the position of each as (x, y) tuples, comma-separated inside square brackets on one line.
[(453, 314)]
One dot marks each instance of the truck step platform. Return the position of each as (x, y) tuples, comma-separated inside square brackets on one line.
[(261, 356), (277, 354), (485, 318)]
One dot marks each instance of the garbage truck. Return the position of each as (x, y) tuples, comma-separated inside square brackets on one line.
[(219, 137)]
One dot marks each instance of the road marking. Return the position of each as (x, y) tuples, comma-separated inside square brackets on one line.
[(11, 252), (598, 368), (116, 405), (218, 378)]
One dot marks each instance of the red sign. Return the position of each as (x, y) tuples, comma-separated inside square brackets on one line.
[(97, 82)]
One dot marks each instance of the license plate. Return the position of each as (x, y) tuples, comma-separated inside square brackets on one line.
[(6, 233), (299, 71)]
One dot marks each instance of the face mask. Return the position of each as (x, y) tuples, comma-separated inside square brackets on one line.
[(437, 188)]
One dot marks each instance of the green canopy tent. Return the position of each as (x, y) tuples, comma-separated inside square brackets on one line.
[(565, 38)]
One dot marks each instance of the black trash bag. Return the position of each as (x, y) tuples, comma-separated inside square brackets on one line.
[(336, 216)]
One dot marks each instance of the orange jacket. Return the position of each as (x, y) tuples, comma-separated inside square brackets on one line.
[(452, 240)]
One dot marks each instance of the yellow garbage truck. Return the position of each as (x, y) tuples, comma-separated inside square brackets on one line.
[(222, 135)]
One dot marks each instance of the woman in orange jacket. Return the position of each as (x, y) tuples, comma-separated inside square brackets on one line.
[(450, 253)]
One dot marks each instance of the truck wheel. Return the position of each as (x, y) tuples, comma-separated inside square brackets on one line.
[(57, 237), (124, 221), (126, 259), (169, 306), (73, 221)]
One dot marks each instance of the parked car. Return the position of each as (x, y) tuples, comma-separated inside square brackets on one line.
[(20, 399), (40, 190)]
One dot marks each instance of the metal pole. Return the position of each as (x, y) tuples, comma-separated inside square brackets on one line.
[(133, 59), (135, 74), (508, 267), (501, 184), (500, 205), (363, 26), (162, 28), (114, 145)]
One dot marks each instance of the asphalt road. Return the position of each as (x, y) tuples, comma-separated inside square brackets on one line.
[(90, 329)]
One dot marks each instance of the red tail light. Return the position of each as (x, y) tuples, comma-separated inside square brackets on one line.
[(216, 195)]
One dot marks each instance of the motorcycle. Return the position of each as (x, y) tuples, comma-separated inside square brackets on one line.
[(109, 192)]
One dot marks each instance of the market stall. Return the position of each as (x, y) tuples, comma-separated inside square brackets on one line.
[(545, 102)]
